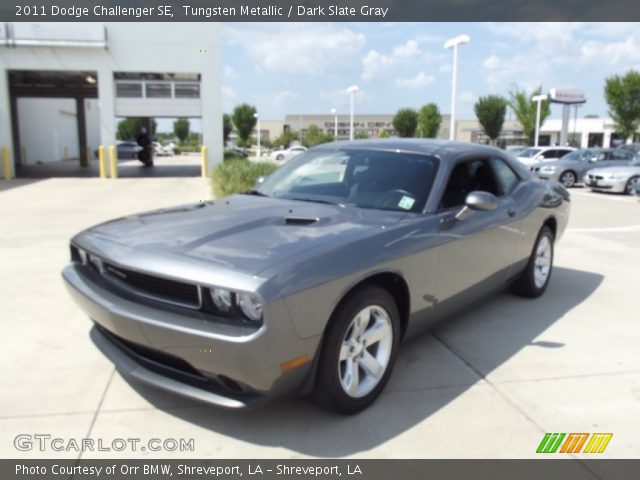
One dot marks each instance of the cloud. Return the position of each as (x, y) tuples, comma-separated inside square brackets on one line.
[(491, 62), (282, 98), (407, 50), (230, 73), (375, 63), (421, 80), (338, 98), (228, 93), (298, 48)]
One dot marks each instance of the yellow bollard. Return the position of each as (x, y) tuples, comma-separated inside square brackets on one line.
[(204, 161), (102, 162), (113, 157), (6, 164)]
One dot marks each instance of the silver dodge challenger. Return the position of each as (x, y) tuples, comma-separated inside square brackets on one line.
[(307, 283)]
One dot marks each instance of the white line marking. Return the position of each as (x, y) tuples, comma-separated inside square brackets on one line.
[(605, 196)]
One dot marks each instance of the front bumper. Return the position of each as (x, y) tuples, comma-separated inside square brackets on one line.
[(204, 360), (606, 185)]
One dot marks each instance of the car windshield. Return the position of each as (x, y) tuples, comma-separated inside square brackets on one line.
[(529, 152), (582, 155), (374, 179)]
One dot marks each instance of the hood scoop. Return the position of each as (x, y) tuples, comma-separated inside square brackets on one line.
[(300, 221)]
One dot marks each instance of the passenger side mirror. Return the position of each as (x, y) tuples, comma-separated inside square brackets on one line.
[(259, 181), (482, 201)]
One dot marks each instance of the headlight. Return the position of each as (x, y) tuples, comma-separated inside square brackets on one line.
[(250, 306), (82, 254), (222, 299)]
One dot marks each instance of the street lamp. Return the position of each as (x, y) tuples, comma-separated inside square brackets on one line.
[(255, 115), (352, 92), (335, 124), (453, 43), (538, 99)]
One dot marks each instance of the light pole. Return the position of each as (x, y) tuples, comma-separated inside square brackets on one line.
[(335, 124), (453, 43), (538, 99), (255, 115), (352, 92)]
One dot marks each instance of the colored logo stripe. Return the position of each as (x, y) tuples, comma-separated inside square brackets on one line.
[(574, 442)]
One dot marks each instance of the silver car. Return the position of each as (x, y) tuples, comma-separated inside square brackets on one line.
[(570, 169), (618, 179), (308, 283)]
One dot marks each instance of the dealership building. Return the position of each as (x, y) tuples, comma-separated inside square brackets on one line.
[(64, 85)]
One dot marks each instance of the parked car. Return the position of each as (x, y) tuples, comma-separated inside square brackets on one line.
[(633, 147), (308, 282), (288, 153), (126, 150), (237, 151), (614, 179), (570, 169), (160, 150), (516, 149), (534, 155)]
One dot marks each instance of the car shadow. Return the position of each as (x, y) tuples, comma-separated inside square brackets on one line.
[(432, 370)]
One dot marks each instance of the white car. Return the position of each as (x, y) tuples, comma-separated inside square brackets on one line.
[(287, 154), (534, 155), (614, 179)]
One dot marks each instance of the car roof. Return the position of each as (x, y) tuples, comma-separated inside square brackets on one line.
[(441, 148)]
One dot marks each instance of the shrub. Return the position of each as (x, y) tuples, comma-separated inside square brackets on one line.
[(238, 175)]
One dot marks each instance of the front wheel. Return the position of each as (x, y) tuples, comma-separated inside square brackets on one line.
[(359, 351), (535, 277), (629, 189), (568, 179)]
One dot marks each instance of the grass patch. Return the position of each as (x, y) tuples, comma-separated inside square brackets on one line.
[(238, 175)]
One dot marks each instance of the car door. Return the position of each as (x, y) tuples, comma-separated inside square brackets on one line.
[(476, 253)]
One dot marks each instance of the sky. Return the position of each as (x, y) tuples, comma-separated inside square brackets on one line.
[(305, 68)]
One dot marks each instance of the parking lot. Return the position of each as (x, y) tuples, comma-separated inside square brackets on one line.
[(487, 384)]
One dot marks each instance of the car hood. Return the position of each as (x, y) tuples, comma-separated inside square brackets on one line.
[(244, 233), (629, 170)]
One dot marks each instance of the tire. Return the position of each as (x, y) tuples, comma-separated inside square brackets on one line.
[(568, 179), (345, 348), (535, 277), (629, 188)]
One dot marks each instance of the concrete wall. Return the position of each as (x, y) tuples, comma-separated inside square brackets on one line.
[(132, 47), (48, 129)]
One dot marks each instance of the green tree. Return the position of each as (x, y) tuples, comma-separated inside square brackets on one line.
[(315, 136), (361, 135), (244, 121), (130, 127), (384, 134), (429, 120), (405, 122), (490, 111), (181, 129), (286, 138), (525, 110), (227, 127), (622, 94)]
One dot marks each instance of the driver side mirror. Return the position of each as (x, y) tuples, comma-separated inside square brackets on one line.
[(481, 201), (259, 181)]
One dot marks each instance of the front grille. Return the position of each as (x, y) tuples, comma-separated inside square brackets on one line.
[(596, 177), (156, 288)]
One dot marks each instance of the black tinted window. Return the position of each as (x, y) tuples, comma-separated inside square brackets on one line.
[(506, 177)]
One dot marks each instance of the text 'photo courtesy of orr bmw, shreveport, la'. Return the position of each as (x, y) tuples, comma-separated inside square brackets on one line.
[(307, 283)]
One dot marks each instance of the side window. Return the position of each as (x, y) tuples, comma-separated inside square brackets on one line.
[(466, 177), (620, 155), (550, 154), (506, 177), (562, 153)]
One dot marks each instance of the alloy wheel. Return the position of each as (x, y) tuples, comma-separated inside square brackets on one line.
[(542, 261)]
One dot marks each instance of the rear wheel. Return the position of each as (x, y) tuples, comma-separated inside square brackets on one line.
[(629, 189), (568, 179), (534, 279), (359, 351)]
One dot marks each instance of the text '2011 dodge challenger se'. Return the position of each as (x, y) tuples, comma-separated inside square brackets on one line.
[(308, 282)]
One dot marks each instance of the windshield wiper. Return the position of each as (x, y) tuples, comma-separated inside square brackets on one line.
[(315, 200), (257, 193)]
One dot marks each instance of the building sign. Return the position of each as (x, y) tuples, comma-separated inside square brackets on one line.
[(567, 96)]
